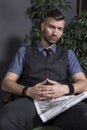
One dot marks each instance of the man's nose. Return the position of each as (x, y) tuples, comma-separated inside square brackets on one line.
[(55, 31)]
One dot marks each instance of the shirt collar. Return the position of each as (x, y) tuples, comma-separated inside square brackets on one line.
[(41, 48)]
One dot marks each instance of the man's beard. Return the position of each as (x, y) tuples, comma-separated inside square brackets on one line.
[(49, 43)]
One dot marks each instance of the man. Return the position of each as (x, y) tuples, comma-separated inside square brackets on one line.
[(41, 71)]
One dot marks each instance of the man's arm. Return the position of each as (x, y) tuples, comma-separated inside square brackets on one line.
[(79, 82), (58, 89), (9, 84)]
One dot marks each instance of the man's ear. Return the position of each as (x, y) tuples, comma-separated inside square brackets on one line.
[(42, 26)]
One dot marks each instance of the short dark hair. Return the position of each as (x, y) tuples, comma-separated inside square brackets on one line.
[(56, 14)]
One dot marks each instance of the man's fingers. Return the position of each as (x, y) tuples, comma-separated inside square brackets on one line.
[(51, 81), (41, 83)]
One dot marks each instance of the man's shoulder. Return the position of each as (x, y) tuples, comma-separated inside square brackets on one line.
[(71, 52), (21, 50), (24, 48)]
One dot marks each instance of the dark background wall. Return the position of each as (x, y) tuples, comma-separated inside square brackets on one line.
[(14, 25)]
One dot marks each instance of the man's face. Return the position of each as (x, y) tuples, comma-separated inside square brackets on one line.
[(52, 30)]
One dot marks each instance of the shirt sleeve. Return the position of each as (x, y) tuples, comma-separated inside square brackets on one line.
[(73, 63), (17, 63)]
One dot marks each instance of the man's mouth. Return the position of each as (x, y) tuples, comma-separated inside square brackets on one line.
[(53, 39)]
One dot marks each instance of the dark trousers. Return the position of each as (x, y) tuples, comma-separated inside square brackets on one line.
[(21, 115)]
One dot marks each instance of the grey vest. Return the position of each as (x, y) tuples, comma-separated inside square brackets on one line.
[(38, 67)]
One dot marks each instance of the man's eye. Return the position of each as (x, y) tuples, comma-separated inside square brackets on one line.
[(61, 29)]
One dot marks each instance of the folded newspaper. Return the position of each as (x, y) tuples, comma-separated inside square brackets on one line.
[(51, 108)]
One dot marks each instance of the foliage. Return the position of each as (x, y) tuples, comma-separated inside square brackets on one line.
[(38, 9), (76, 38)]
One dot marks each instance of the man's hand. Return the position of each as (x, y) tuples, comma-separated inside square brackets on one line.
[(36, 91), (43, 91), (57, 89)]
